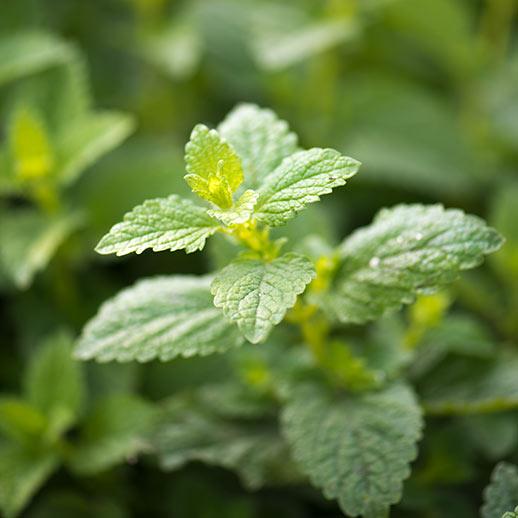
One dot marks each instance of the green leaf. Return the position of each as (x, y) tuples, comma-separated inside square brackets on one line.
[(162, 317), (85, 140), (460, 386), (301, 179), (416, 24), (22, 472), (256, 294), (278, 49), (356, 448), (457, 334), (398, 151), (20, 421), (511, 514), (28, 52), (407, 250), (495, 435), (161, 224), (176, 49), (240, 212), (193, 431), (113, 432), (501, 495), (261, 139), (54, 382), (213, 167), (29, 239)]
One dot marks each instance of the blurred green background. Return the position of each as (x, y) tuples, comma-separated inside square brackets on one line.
[(98, 97)]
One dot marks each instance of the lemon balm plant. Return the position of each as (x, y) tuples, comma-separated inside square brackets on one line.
[(303, 402)]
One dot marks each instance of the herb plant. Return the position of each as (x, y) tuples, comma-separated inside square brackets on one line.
[(325, 383)]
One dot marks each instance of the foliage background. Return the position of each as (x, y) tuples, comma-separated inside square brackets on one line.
[(424, 93)]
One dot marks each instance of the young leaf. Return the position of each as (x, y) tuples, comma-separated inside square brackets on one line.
[(256, 294), (163, 318), (406, 250), (213, 167), (29, 239), (356, 448), (240, 212), (114, 431), (502, 493), (54, 383), (28, 52), (261, 139), (192, 431), (22, 472), (32, 153), (161, 224), (301, 179)]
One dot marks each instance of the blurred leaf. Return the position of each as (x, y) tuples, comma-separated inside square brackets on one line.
[(441, 29), (480, 386), (494, 434), (20, 421), (54, 383), (193, 431), (387, 133), (29, 239), (357, 449), (142, 168), (176, 48), (112, 433), (84, 141), (457, 334), (163, 318), (504, 215), (33, 154), (499, 101), (501, 495), (22, 472), (28, 52), (284, 35)]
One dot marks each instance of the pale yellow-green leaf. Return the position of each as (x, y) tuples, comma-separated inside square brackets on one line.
[(214, 168), (31, 149), (240, 212)]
